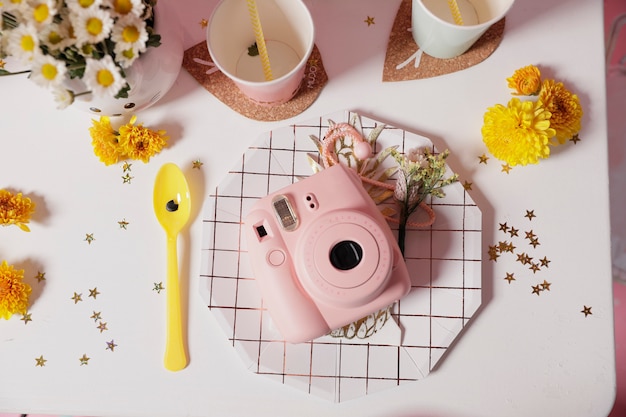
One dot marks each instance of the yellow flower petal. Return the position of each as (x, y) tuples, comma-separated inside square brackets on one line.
[(14, 293)]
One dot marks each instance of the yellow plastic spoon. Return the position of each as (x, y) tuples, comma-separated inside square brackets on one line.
[(172, 206)]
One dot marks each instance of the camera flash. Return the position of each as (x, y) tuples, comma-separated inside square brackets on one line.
[(285, 213)]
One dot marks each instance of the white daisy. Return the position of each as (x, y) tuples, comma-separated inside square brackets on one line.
[(56, 36), (91, 25), (125, 56), (47, 71), (63, 97), (121, 8), (103, 77), (23, 43), (42, 12), (78, 5), (130, 32)]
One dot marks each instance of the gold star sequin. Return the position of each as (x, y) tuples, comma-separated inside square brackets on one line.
[(41, 361), (102, 326), (530, 235), (197, 164), (534, 242), (467, 185), (509, 277), (77, 297), (127, 178), (482, 159), (84, 360), (545, 262), (575, 139), (586, 311), (41, 276), (111, 345), (530, 214), (26, 318), (123, 224), (369, 21), (513, 231), (534, 267), (158, 286), (94, 293), (504, 227), (203, 23), (96, 316), (493, 253), (506, 168), (126, 167), (89, 238), (536, 289), (546, 285)]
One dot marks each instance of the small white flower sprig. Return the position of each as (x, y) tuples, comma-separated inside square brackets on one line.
[(60, 40), (420, 172)]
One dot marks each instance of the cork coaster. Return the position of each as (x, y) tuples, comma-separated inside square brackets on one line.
[(198, 62), (405, 61)]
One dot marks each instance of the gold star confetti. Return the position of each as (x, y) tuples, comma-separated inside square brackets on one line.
[(89, 238), (482, 159), (158, 286), (84, 360), (123, 224), (77, 297), (467, 185), (102, 326), (203, 23), (544, 262), (534, 267), (313, 61), (546, 285), (369, 21), (197, 164), (41, 361), (506, 168), (504, 227), (530, 235), (126, 167), (94, 293), (41, 276), (111, 345), (96, 316), (127, 178), (513, 231), (26, 318), (536, 289), (530, 214), (586, 311), (534, 242), (509, 277), (575, 139)]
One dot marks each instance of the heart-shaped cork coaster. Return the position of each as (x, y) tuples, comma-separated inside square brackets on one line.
[(405, 61), (198, 62)]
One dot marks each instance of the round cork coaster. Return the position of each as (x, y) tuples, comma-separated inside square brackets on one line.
[(405, 61), (198, 62)]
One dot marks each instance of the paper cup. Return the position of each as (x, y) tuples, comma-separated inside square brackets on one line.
[(436, 33), (289, 36)]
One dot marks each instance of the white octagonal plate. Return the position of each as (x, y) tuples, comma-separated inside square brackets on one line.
[(444, 261)]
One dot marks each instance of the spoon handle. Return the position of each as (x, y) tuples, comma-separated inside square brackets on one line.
[(175, 355)]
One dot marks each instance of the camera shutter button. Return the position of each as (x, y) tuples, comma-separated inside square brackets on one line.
[(276, 257)]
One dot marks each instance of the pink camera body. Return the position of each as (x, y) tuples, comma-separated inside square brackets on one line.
[(323, 255)]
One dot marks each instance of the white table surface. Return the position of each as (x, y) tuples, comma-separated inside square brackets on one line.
[(522, 354)]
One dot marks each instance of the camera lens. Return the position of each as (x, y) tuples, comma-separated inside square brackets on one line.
[(346, 255)]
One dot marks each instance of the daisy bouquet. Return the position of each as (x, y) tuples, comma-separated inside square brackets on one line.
[(91, 40)]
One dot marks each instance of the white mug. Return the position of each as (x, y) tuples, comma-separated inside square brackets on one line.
[(436, 33)]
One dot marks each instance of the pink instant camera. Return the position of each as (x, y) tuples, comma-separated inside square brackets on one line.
[(323, 255)]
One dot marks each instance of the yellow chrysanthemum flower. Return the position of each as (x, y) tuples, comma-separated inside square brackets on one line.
[(15, 209), (525, 81), (139, 142), (565, 107), (518, 133), (105, 141), (13, 292)]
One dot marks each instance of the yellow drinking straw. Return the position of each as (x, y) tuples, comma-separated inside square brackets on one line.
[(456, 13), (260, 39)]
